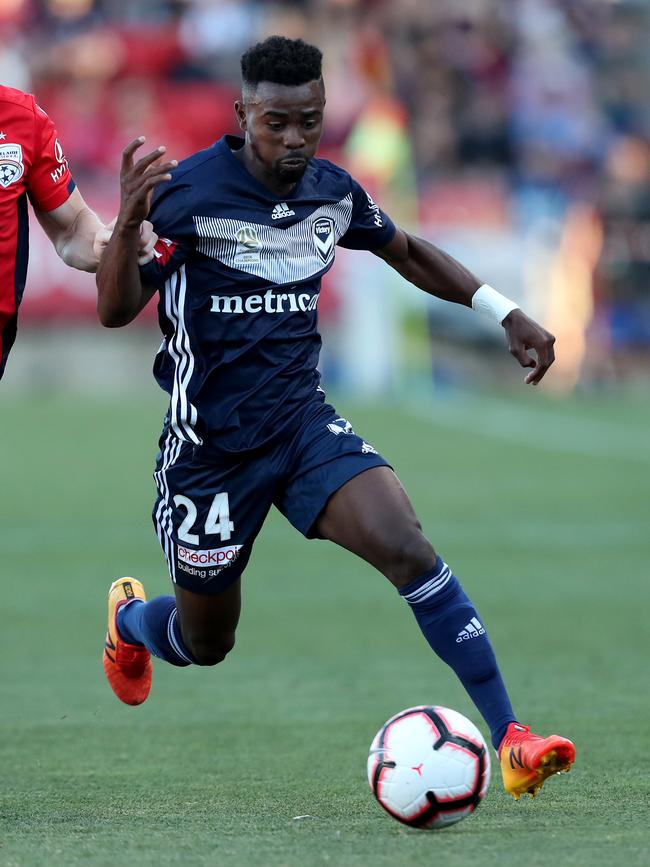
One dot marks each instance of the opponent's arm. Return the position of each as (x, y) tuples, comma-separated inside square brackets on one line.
[(72, 228), (121, 294), (79, 236), (439, 274)]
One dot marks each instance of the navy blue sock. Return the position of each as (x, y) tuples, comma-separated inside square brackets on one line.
[(154, 624), (451, 625)]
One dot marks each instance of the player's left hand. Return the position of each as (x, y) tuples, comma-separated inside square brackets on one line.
[(137, 182), (524, 334)]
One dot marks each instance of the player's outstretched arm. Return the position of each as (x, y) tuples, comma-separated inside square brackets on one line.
[(120, 292), (439, 274)]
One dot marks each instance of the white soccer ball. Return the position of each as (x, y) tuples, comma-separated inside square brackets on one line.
[(429, 767)]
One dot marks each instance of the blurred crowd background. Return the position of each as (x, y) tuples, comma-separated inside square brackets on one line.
[(514, 133)]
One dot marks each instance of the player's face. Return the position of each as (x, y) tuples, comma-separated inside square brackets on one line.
[(283, 126)]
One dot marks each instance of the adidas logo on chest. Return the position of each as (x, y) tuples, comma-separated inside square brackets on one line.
[(281, 211)]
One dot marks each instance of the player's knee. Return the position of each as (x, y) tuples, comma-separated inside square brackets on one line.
[(411, 555), (209, 650)]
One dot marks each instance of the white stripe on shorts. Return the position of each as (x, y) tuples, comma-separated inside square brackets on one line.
[(163, 516)]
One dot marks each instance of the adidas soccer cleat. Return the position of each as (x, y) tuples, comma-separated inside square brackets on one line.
[(527, 760), (127, 666)]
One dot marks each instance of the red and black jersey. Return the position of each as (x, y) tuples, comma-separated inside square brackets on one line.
[(32, 164)]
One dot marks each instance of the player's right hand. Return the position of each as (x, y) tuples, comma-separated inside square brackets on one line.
[(137, 182), (147, 243), (523, 334)]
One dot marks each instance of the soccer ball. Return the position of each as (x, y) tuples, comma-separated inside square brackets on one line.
[(429, 767)]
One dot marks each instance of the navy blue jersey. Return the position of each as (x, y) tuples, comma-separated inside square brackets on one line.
[(239, 275)]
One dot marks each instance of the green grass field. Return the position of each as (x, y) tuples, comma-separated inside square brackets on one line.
[(541, 508)]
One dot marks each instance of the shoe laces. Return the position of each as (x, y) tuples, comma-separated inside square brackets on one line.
[(516, 735)]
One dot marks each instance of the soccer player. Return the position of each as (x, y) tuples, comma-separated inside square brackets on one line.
[(33, 164), (250, 227)]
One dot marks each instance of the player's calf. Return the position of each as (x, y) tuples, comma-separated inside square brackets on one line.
[(208, 622), (208, 649)]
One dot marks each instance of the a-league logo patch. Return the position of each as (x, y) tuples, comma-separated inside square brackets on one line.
[(323, 234), (248, 238), (248, 246), (11, 164)]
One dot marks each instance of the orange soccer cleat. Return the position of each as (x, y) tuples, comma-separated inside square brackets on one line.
[(527, 760), (127, 666)]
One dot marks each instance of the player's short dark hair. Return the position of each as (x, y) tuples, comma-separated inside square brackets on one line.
[(281, 61)]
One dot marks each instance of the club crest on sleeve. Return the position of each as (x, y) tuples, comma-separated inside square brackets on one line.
[(340, 426), (323, 234), (11, 164)]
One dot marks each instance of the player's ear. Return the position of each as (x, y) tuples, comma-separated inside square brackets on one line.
[(240, 111)]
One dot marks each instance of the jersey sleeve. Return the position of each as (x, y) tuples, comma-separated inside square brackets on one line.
[(370, 228), (49, 182), (175, 238)]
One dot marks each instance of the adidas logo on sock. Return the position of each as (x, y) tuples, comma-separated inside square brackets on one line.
[(281, 211), (471, 630)]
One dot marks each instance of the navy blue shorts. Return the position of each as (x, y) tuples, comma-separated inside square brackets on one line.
[(209, 511)]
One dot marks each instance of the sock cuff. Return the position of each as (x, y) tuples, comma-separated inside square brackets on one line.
[(429, 584), (175, 638)]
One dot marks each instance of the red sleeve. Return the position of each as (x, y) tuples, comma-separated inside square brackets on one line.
[(49, 182)]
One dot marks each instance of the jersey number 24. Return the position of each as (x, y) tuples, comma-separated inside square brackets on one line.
[(218, 521)]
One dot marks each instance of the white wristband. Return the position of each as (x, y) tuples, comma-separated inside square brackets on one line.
[(494, 304)]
